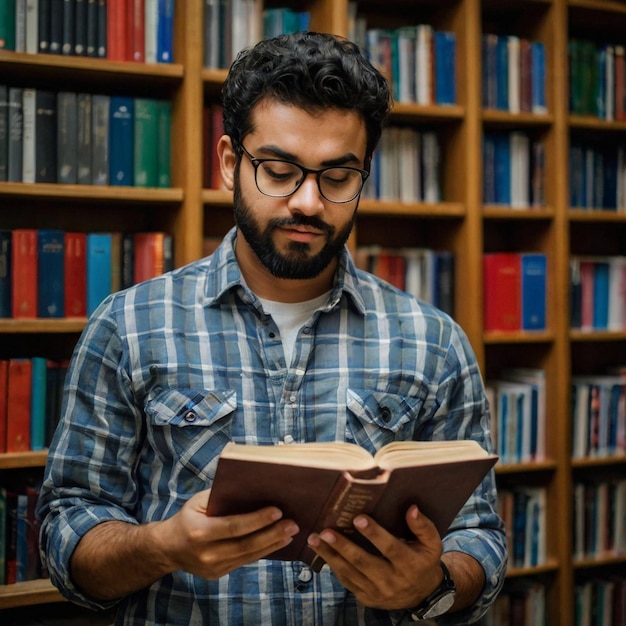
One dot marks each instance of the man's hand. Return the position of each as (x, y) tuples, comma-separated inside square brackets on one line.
[(404, 574), (115, 558)]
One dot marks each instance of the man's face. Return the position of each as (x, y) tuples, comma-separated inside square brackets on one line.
[(298, 236)]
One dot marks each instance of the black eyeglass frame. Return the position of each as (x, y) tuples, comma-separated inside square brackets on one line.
[(305, 172)]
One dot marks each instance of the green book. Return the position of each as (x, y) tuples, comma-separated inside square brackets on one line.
[(7, 24), (146, 142), (164, 125)]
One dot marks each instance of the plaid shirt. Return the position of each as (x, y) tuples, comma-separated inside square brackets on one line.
[(197, 340)]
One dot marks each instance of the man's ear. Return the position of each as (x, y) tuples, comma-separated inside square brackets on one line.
[(228, 159)]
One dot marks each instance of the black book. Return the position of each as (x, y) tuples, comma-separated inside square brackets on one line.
[(69, 27), (101, 46), (67, 137), (45, 137), (43, 25), (56, 26), (80, 28), (91, 27)]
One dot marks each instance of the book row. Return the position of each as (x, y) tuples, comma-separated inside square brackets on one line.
[(597, 79), (80, 138), (598, 416), (600, 601), (523, 511), (20, 560), (118, 30), (599, 518), (514, 170), (231, 25), (406, 167), (513, 74), (521, 603), (514, 291), (598, 292), (418, 61), (48, 273), (30, 402), (518, 415), (427, 274), (597, 176)]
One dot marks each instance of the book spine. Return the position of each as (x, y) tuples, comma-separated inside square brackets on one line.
[(75, 274), (5, 274), (98, 269), (146, 148), (24, 273), (18, 405), (4, 132), (164, 143), (20, 25), (102, 50), (135, 31), (100, 139), (16, 134), (4, 390), (38, 403), (116, 30), (7, 24), (83, 139), (502, 291), (67, 137), (80, 28), (68, 27), (29, 97), (45, 137), (91, 28), (150, 30), (56, 26), (50, 275), (44, 8), (148, 255), (165, 32), (121, 135)]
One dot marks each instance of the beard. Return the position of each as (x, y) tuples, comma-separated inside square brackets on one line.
[(298, 262)]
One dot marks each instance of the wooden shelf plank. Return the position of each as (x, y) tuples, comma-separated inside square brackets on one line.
[(28, 593)]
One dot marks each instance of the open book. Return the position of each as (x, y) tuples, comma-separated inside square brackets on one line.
[(325, 485)]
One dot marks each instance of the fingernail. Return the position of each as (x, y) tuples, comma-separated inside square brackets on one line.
[(360, 522)]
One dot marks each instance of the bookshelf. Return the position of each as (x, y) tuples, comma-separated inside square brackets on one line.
[(460, 222)]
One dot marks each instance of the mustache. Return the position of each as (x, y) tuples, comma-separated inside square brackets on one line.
[(302, 220)]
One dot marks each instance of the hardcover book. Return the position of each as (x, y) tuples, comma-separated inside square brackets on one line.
[(18, 405), (5, 273), (327, 484), (45, 136), (24, 273), (67, 137), (121, 141), (98, 269), (50, 274), (75, 274), (502, 291)]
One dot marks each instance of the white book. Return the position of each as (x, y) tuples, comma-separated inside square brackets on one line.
[(32, 26), (580, 420), (20, 25), (424, 64), (407, 43), (430, 167), (29, 103), (151, 26), (409, 164), (617, 293), (520, 170), (609, 77), (513, 46)]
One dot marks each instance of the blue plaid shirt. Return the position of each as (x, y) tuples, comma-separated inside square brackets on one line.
[(197, 339)]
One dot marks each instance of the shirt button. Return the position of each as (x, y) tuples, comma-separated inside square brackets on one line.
[(288, 439), (292, 397), (305, 575), (190, 416)]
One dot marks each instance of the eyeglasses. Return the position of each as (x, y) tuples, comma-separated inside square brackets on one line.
[(279, 179)]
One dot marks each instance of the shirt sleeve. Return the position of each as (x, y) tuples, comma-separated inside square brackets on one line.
[(88, 478)]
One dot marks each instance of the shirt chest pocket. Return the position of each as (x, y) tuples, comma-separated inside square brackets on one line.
[(376, 418), (190, 426)]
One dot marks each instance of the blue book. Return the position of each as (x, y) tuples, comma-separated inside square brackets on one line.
[(5, 273), (50, 271), (121, 140), (502, 168), (538, 77), (534, 290), (601, 295), (99, 256), (165, 31), (445, 67), (38, 403)]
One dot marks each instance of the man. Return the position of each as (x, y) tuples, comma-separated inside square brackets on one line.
[(275, 338)]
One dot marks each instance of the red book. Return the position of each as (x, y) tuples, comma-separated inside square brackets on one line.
[(75, 274), (4, 390), (18, 405), (135, 31), (620, 75), (149, 255), (502, 291), (24, 273), (116, 30), (586, 293)]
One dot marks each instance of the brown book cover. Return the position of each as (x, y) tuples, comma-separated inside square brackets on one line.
[(325, 485)]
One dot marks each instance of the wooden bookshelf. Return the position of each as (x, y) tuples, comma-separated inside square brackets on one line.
[(460, 222)]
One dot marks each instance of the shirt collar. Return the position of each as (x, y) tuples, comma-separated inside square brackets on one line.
[(223, 275)]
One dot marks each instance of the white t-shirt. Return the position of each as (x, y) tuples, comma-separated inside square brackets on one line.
[(290, 317)]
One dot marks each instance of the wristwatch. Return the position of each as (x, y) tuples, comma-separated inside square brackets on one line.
[(438, 602)]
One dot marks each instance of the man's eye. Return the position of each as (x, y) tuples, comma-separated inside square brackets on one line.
[(337, 176), (280, 170)]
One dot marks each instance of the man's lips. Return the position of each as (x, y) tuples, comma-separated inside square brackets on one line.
[(300, 234)]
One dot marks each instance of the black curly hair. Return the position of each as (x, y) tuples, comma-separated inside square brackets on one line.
[(313, 71)]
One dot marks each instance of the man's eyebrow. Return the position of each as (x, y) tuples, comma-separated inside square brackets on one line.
[(274, 151)]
